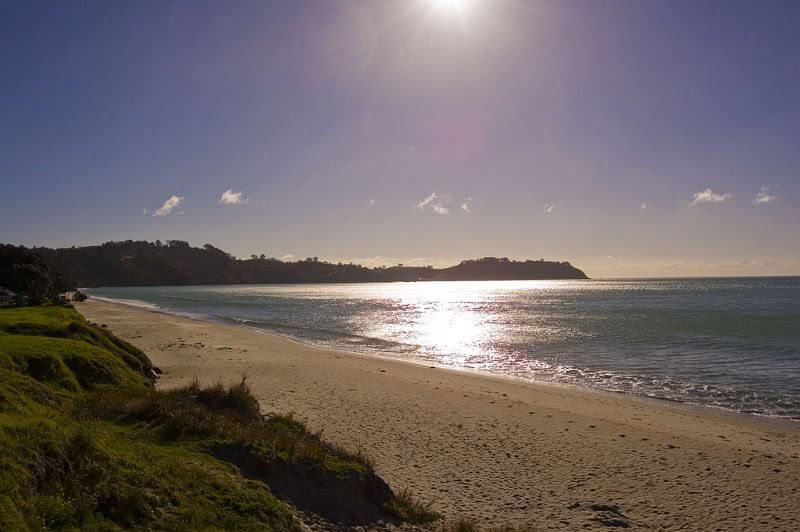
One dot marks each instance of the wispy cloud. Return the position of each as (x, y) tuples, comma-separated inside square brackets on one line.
[(764, 196), (369, 205), (548, 208), (287, 257), (229, 197), (436, 203), (643, 206), (709, 196), (422, 204), (465, 207), (166, 209), (144, 211)]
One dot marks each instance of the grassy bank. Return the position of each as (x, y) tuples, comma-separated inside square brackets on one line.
[(89, 443)]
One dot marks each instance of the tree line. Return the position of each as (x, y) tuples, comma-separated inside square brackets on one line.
[(175, 262)]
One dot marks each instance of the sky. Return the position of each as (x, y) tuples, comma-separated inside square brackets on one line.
[(631, 138)]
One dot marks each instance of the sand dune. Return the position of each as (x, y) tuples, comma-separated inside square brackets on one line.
[(500, 451)]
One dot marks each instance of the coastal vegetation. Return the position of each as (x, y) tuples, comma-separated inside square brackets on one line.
[(175, 262), (26, 272), (89, 443)]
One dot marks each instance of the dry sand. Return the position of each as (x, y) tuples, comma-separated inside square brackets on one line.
[(499, 451)]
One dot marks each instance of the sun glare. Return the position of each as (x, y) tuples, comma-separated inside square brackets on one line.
[(451, 5)]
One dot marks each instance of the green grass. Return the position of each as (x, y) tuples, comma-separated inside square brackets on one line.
[(216, 416), (65, 322), (88, 443), (405, 506), (63, 469)]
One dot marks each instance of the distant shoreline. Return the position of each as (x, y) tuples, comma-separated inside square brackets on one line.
[(588, 279), (175, 262)]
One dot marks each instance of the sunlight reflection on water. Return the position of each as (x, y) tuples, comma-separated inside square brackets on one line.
[(726, 342)]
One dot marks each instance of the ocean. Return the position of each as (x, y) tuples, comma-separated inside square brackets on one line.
[(731, 343)]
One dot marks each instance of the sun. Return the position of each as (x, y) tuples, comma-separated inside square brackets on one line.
[(450, 5)]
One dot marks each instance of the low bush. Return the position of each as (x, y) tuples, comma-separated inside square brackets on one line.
[(230, 414), (407, 507)]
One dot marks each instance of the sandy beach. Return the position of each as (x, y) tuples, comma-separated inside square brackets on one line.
[(500, 451)]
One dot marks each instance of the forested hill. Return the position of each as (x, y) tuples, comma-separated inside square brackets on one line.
[(175, 262)]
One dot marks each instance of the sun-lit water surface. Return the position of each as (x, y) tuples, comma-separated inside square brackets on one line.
[(732, 343)]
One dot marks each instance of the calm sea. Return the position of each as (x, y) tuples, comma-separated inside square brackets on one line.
[(731, 343)]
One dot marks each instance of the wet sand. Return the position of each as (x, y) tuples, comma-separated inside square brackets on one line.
[(498, 451)]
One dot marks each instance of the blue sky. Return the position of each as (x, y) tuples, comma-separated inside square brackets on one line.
[(630, 138)]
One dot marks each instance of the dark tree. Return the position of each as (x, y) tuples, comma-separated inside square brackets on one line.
[(133, 263), (26, 272)]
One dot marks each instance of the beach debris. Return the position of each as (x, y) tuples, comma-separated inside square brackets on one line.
[(610, 515)]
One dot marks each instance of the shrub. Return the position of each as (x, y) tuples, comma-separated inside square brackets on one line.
[(407, 507)]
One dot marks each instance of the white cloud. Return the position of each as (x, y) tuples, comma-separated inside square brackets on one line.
[(369, 205), (229, 197), (426, 201), (436, 203), (465, 207), (144, 211), (287, 257), (643, 206), (764, 196), (548, 207), (168, 206), (709, 196)]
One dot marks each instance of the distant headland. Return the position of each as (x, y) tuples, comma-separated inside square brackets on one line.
[(175, 262)]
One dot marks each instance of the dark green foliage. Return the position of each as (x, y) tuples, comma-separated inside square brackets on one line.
[(77, 478), (88, 476), (492, 268), (27, 272), (238, 399), (139, 263)]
